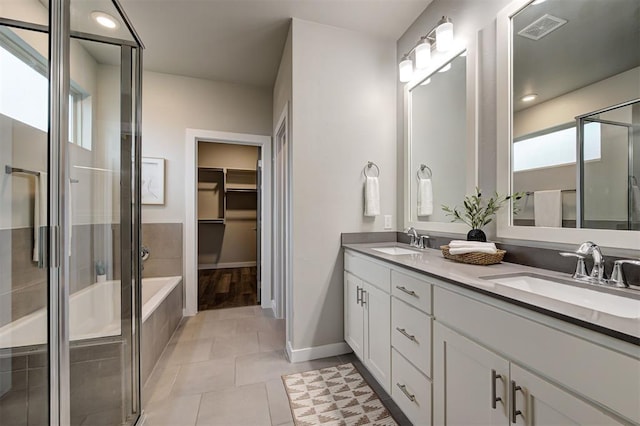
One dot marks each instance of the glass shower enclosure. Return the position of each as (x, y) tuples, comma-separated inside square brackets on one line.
[(70, 151), (609, 185)]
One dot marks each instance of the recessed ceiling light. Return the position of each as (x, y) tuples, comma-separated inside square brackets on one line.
[(529, 98), (105, 20)]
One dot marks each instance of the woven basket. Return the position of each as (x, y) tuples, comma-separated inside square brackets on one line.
[(474, 258)]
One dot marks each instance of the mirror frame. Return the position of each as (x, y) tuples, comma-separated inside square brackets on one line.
[(471, 137), (504, 103)]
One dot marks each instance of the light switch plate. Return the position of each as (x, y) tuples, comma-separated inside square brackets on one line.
[(387, 221)]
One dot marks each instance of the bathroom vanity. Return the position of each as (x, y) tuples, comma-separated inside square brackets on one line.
[(462, 344)]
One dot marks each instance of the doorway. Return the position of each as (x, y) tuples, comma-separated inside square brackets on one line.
[(193, 138), (228, 250)]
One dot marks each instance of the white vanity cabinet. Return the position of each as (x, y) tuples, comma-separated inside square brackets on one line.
[(540, 374), (449, 355), (367, 312)]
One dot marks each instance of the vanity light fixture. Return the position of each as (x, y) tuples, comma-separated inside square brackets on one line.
[(440, 37), (105, 20), (537, 2), (406, 69), (530, 97)]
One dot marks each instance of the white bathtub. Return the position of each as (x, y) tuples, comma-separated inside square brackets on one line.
[(93, 312)]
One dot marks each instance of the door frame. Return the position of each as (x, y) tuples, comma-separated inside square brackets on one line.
[(282, 223), (190, 230)]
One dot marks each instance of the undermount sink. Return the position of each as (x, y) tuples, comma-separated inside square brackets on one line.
[(394, 251), (576, 299)]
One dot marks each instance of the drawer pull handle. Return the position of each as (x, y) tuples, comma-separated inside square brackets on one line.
[(403, 388), (407, 335), (494, 398), (514, 411), (363, 301), (409, 292), (358, 294)]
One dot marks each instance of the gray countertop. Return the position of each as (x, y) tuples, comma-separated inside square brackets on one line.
[(432, 263)]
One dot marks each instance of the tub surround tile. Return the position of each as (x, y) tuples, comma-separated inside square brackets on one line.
[(164, 241)]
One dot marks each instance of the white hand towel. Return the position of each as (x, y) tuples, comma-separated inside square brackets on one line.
[(425, 197), (39, 212), (465, 250), (371, 196), (471, 244), (547, 208)]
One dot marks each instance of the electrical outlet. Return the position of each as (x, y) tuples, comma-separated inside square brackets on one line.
[(387, 221)]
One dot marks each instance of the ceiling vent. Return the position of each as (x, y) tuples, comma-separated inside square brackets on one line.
[(542, 26)]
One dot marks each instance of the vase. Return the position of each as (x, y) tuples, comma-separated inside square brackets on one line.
[(476, 235), (102, 278)]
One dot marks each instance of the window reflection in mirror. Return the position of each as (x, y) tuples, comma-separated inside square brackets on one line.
[(570, 59), (438, 142)]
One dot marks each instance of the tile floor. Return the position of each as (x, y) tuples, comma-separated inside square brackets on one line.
[(224, 367)]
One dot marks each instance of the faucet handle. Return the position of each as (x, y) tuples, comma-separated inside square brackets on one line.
[(581, 269), (423, 242), (617, 276)]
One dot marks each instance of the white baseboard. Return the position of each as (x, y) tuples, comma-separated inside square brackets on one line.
[(317, 352), (227, 265)]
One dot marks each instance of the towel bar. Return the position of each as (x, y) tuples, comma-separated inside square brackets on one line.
[(10, 170), (371, 164), (422, 169)]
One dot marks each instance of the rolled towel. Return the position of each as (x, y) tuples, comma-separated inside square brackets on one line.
[(465, 250), (547, 208), (371, 196), (425, 197)]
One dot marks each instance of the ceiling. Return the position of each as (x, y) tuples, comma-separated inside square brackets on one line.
[(600, 39), (240, 41)]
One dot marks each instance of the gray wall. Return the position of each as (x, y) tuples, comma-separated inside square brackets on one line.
[(164, 241), (343, 115)]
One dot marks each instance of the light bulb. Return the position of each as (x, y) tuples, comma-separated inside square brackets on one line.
[(529, 98), (423, 54), (444, 36), (406, 70)]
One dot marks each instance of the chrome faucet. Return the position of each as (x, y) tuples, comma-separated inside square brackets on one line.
[(411, 232), (590, 248), (417, 241), (617, 276)]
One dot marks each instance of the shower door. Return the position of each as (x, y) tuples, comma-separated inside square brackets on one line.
[(69, 215)]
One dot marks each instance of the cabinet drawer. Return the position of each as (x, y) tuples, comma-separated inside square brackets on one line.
[(412, 290), (411, 390), (368, 271), (411, 334)]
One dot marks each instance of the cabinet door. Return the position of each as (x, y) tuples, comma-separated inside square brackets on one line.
[(463, 382), (353, 315), (378, 334), (542, 403)]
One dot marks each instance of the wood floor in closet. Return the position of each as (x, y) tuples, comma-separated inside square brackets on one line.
[(227, 288)]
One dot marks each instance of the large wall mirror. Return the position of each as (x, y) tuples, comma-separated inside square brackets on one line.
[(569, 120), (440, 166)]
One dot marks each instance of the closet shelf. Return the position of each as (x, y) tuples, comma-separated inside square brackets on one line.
[(247, 190), (212, 221)]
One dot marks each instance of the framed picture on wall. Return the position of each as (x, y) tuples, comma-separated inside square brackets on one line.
[(152, 180)]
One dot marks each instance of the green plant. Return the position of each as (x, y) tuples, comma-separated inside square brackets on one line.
[(478, 211), (101, 269)]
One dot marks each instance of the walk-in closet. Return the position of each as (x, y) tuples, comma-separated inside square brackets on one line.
[(228, 194)]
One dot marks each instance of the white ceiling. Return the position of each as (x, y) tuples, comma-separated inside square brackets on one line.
[(241, 41)]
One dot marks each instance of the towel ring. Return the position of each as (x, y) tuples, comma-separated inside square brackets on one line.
[(422, 169), (371, 164)]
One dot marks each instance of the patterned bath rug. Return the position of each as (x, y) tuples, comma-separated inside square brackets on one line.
[(334, 396)]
